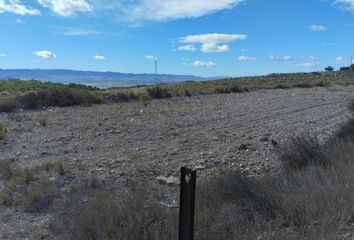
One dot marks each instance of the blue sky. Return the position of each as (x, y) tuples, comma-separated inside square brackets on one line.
[(200, 37)]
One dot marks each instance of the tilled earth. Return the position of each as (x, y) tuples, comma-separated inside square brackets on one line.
[(129, 144)]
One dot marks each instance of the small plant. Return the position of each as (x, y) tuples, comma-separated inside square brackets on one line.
[(57, 166), (187, 93), (303, 151), (27, 175), (43, 121), (158, 92), (6, 171), (3, 132), (163, 128), (145, 100), (40, 197)]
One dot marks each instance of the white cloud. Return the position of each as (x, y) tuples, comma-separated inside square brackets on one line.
[(213, 42), (20, 21), (317, 28), (158, 10), (342, 60), (310, 61), (213, 38), (3, 55), (81, 32), (281, 58), (151, 57), (347, 5), (45, 54), (99, 57), (204, 64), (211, 47), (188, 48), (66, 8), (246, 58), (16, 7)]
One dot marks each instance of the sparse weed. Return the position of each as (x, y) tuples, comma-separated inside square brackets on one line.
[(57, 166), (43, 121), (163, 128), (6, 171), (39, 197), (145, 100), (3, 132)]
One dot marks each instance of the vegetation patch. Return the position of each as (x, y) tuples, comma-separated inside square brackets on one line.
[(3, 132)]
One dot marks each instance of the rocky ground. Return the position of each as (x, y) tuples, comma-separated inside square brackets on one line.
[(127, 144)]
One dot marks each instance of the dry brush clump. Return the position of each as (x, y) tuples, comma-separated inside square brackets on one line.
[(95, 213), (58, 98), (3, 132), (8, 104), (29, 189)]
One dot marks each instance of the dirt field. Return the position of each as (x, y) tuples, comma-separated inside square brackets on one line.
[(127, 144)]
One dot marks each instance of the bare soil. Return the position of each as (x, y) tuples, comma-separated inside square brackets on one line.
[(129, 145)]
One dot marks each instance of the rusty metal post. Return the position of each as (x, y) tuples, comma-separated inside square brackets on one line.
[(187, 204)]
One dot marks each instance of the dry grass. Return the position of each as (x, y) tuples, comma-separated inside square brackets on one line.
[(6, 171), (8, 104), (3, 132), (43, 121), (40, 197), (108, 216), (57, 166)]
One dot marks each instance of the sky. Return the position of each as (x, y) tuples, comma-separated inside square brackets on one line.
[(199, 37)]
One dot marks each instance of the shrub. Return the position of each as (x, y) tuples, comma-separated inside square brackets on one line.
[(303, 85), (301, 152), (145, 100), (3, 132), (43, 121), (105, 216), (8, 104), (329, 69), (252, 194), (6, 171), (158, 92), (187, 93), (39, 197), (58, 97), (57, 166)]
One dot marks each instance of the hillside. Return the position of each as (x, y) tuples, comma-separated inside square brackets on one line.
[(99, 79)]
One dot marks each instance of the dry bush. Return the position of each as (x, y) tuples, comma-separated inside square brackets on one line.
[(58, 98), (104, 215), (145, 100), (43, 121), (3, 132), (39, 197), (163, 128), (158, 92), (303, 151), (8, 104), (57, 166), (6, 171)]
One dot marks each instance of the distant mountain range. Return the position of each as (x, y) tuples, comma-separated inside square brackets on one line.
[(99, 79)]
